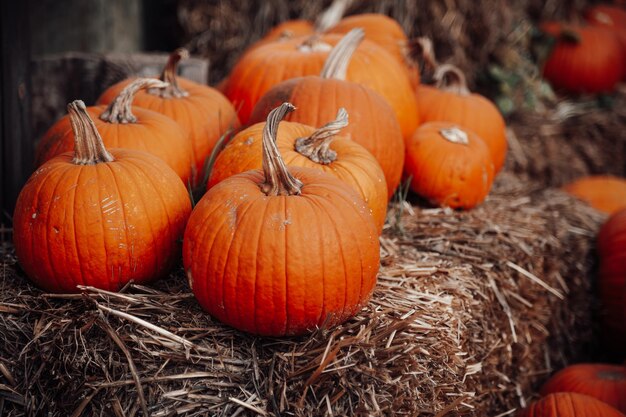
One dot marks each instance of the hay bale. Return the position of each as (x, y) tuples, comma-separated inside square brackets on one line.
[(574, 139), (471, 311)]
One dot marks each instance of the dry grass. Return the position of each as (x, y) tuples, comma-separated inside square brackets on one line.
[(471, 311)]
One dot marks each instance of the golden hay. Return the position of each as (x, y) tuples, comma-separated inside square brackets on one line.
[(471, 311)]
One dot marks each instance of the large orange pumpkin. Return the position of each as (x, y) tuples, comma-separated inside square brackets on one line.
[(281, 251), (264, 67), (304, 146), (449, 166), (99, 218), (604, 382), (568, 404), (201, 110), (372, 122), (451, 101), (612, 279), (384, 31), (606, 193), (121, 126), (611, 17), (585, 59)]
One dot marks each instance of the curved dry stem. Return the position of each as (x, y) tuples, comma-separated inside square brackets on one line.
[(331, 16), (455, 135), (450, 78), (317, 146), (422, 49), (169, 76), (88, 146), (278, 180), (120, 109), (336, 65)]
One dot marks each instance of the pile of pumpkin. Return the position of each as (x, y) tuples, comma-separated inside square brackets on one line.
[(285, 239)]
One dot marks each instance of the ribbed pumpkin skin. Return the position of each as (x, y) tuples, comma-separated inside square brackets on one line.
[(614, 19), (100, 225), (605, 193), (384, 31), (153, 133), (281, 265), (205, 114), (595, 65), (448, 174), (372, 121), (612, 279), (603, 382), (473, 112), (354, 164), (264, 67), (567, 404)]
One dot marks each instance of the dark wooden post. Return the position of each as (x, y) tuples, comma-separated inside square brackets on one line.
[(16, 150)]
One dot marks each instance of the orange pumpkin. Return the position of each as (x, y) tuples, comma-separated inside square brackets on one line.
[(384, 31), (373, 124), (122, 126), (99, 218), (451, 101), (606, 193), (568, 404), (603, 382), (202, 111), (586, 59), (264, 67), (304, 146), (281, 251), (449, 166), (612, 279), (611, 17)]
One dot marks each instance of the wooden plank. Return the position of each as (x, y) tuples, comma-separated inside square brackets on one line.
[(16, 150)]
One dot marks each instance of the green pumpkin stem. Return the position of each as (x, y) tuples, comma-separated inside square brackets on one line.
[(317, 146), (88, 146), (120, 109), (278, 180), (450, 78), (336, 65), (169, 76)]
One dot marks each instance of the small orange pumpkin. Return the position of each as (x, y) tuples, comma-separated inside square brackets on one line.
[(202, 111), (373, 123), (264, 67), (304, 146), (384, 31), (281, 251), (612, 279), (99, 218), (569, 404), (451, 101), (449, 166), (122, 126), (606, 193), (603, 382)]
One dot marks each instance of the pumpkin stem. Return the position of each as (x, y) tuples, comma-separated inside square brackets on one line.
[(313, 43), (421, 48), (455, 135), (278, 180), (120, 109), (450, 78), (317, 146), (331, 16), (169, 76), (88, 146), (336, 65)]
